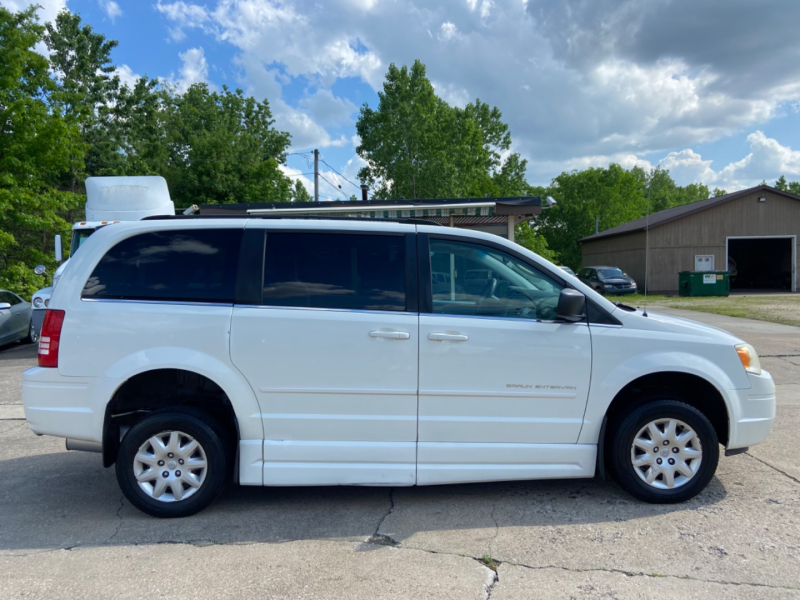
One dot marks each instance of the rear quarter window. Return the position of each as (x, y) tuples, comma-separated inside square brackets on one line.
[(196, 265)]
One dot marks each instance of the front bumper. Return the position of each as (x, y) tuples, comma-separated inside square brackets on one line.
[(752, 411)]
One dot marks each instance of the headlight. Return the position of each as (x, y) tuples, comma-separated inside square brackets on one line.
[(47, 303), (749, 357), (38, 302)]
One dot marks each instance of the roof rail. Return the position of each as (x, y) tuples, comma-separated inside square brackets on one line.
[(408, 221)]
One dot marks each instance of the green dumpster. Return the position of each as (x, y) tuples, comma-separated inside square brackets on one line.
[(704, 283)]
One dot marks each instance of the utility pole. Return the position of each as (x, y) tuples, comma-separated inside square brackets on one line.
[(316, 175)]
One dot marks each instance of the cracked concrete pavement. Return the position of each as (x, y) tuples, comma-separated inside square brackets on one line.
[(66, 531)]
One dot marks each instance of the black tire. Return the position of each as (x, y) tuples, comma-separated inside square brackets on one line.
[(214, 444), (620, 447), (32, 337)]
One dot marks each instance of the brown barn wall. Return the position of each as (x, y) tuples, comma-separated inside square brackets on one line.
[(674, 245), (624, 251)]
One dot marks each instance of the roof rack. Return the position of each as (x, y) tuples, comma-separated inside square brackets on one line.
[(407, 221)]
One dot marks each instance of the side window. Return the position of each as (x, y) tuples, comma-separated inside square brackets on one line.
[(332, 270), (12, 299), (470, 279), (192, 265)]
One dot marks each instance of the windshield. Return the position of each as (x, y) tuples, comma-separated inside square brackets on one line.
[(609, 273), (78, 237)]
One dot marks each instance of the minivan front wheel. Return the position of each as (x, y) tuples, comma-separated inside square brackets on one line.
[(664, 452), (172, 464)]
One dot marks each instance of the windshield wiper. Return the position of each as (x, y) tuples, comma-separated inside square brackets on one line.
[(624, 307)]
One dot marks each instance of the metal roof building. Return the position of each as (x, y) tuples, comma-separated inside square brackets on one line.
[(492, 215), (751, 233)]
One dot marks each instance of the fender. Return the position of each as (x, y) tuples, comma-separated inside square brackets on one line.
[(225, 375), (603, 391)]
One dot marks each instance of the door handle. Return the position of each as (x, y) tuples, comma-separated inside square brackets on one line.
[(447, 337), (390, 335)]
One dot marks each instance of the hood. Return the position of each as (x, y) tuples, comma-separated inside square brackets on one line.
[(617, 280), (655, 321)]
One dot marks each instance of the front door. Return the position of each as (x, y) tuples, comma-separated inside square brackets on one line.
[(503, 382), (331, 352)]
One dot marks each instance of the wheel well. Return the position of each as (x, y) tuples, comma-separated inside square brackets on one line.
[(159, 389), (691, 389)]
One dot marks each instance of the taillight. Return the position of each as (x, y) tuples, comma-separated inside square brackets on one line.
[(50, 338)]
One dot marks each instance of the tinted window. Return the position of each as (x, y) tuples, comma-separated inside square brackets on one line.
[(470, 279), (609, 273), (324, 270), (187, 265), (12, 299)]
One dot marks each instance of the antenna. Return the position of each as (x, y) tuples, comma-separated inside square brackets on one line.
[(647, 243)]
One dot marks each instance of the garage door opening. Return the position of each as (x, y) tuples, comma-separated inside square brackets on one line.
[(765, 263)]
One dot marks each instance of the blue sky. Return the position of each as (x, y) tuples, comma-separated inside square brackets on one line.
[(709, 89)]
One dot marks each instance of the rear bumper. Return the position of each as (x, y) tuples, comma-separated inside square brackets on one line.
[(753, 412), (70, 407)]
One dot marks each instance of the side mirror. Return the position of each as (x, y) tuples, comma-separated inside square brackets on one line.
[(571, 305), (4, 306), (59, 253), (40, 270)]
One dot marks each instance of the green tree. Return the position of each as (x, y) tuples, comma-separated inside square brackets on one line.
[(138, 123), (223, 148), (80, 63), (418, 146), (525, 235), (37, 148), (606, 197), (300, 193)]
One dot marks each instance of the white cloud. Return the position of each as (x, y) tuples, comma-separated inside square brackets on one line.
[(328, 109), (486, 8), (767, 160), (194, 70), (126, 75), (262, 82), (47, 13), (448, 31), (298, 175), (111, 9), (576, 81)]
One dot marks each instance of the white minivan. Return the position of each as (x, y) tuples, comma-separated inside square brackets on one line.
[(287, 352)]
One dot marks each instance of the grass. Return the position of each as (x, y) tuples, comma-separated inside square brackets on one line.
[(784, 309), (488, 561)]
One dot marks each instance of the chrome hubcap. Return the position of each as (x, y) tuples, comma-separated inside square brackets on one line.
[(33, 335), (170, 466), (666, 453)]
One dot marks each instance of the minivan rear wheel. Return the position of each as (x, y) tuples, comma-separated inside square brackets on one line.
[(173, 463), (665, 451)]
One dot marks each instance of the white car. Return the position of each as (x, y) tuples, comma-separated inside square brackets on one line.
[(318, 352), (15, 319)]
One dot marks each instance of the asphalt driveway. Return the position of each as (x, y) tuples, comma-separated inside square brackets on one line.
[(66, 531)]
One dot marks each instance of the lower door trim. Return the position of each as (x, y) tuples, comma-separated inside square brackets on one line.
[(453, 462)]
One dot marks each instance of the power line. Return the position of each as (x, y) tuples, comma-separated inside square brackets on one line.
[(340, 175), (336, 187)]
